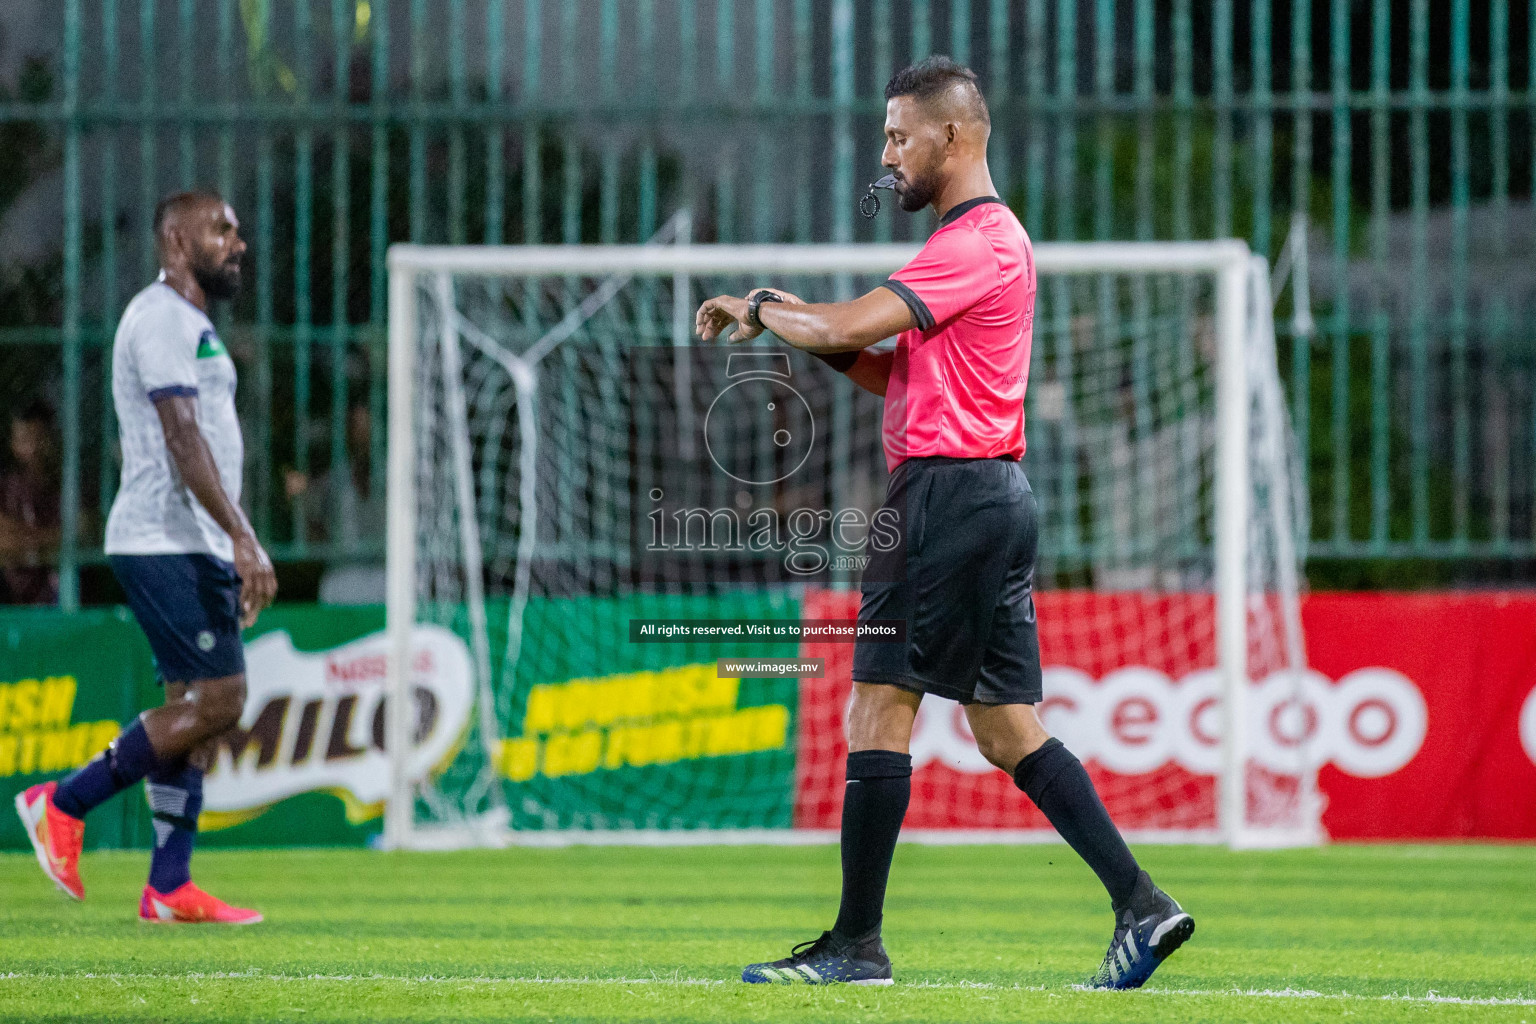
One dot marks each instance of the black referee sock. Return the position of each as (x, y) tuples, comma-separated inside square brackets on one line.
[(1059, 785), (874, 802)]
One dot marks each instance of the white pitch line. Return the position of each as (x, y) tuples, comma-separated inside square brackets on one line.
[(1429, 998)]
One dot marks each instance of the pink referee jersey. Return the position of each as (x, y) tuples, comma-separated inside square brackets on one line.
[(957, 383)]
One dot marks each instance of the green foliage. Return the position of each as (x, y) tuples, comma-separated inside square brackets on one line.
[(977, 934), (266, 67)]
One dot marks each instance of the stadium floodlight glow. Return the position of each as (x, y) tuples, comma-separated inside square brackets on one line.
[(547, 483)]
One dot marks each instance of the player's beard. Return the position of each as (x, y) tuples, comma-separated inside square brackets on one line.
[(218, 280), (914, 193)]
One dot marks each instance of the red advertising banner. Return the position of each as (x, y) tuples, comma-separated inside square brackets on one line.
[(1420, 711), (1472, 657)]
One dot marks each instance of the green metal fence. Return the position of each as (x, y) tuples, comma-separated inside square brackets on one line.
[(1401, 133)]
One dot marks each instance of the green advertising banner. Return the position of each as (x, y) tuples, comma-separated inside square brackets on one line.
[(606, 733), (67, 683), (598, 731)]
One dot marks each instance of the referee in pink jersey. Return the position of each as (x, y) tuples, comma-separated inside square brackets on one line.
[(962, 576)]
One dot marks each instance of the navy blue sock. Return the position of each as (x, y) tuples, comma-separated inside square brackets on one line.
[(874, 803), (127, 760), (1059, 785), (175, 798)]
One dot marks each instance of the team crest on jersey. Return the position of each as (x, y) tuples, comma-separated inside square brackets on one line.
[(209, 345)]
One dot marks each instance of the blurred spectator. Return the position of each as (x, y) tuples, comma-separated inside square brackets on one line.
[(341, 509), (29, 510)]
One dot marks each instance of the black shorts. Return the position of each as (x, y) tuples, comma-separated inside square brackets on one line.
[(189, 608), (962, 577)]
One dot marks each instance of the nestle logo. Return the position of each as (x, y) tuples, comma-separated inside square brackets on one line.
[(369, 667), (361, 669)]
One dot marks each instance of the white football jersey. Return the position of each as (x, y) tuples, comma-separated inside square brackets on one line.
[(167, 346)]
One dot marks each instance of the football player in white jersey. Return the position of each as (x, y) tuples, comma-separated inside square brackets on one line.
[(186, 556)]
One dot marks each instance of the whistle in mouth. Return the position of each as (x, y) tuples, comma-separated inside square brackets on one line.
[(869, 205)]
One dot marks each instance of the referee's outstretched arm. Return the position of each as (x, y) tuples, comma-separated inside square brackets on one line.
[(838, 332)]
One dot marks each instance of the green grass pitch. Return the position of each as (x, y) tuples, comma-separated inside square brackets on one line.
[(1377, 933)]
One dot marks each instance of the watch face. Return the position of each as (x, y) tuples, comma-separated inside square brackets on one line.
[(759, 430)]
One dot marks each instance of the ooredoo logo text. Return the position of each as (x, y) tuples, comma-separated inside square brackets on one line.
[(1135, 720), (1528, 726)]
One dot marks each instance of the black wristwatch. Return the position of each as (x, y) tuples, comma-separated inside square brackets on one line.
[(754, 303)]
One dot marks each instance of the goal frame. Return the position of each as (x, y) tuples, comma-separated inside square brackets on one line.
[(1239, 276)]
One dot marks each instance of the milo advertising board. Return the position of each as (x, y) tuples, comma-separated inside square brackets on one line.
[(304, 766), (315, 725)]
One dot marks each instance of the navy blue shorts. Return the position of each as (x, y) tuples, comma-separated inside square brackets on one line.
[(189, 608), (962, 576)]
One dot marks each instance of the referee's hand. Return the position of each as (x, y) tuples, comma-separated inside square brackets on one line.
[(716, 316)]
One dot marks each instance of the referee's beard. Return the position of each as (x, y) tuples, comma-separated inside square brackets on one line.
[(915, 193)]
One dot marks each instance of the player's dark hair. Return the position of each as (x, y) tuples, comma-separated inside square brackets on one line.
[(171, 203), (935, 76)]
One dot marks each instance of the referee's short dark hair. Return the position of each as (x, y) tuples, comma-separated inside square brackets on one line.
[(935, 76)]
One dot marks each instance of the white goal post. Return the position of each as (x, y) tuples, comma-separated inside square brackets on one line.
[(506, 490)]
